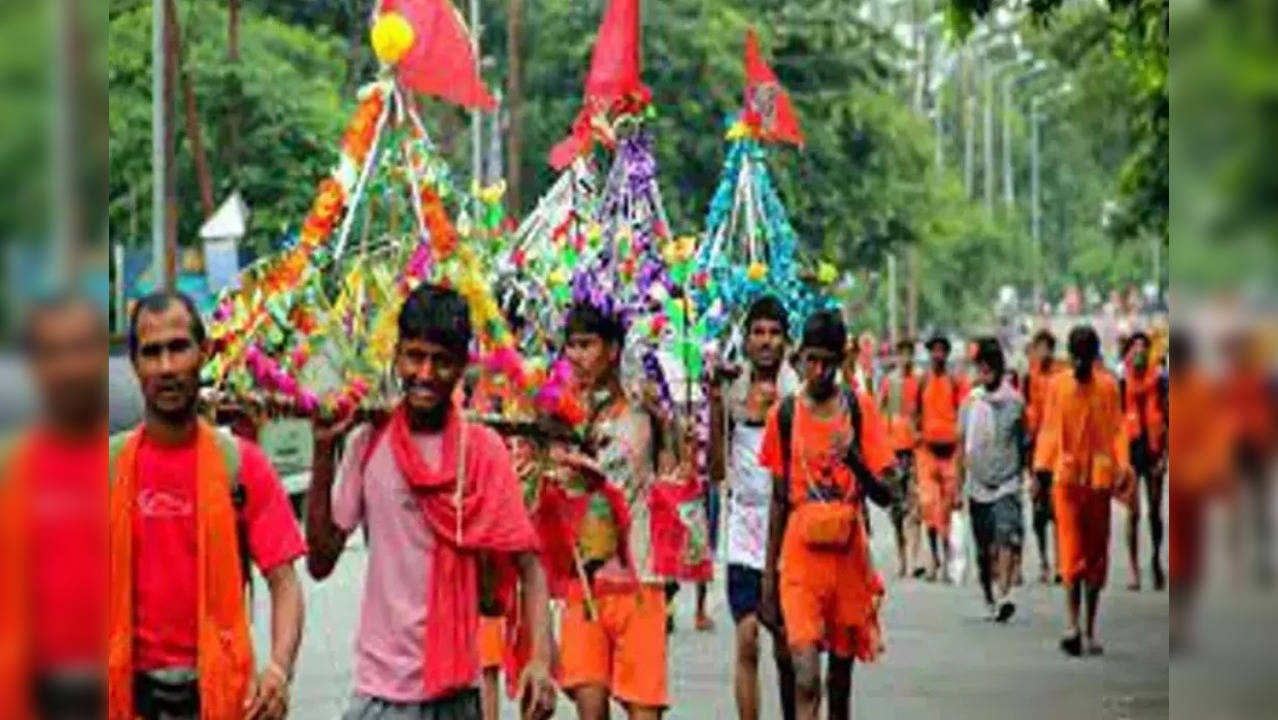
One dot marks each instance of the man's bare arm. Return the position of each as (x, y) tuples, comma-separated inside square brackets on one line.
[(324, 539)]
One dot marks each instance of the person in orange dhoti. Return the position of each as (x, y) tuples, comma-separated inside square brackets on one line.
[(1043, 369), (1082, 444), (939, 397), (1249, 397), (1203, 437)]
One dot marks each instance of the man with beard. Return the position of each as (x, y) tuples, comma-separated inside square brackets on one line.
[(940, 395), (992, 458), (736, 437), (826, 449), (1083, 445), (189, 507), (613, 637), (53, 516), (898, 399), (438, 498), (1042, 369)]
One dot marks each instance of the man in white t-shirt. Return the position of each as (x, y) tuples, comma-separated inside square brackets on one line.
[(737, 421)]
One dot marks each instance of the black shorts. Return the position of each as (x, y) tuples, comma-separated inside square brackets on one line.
[(905, 501), (745, 590), (998, 524)]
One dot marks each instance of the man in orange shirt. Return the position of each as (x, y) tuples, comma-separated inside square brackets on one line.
[(939, 397), (1144, 400), (1042, 369), (1081, 443), (898, 400), (826, 450), (1249, 395), (1204, 435)]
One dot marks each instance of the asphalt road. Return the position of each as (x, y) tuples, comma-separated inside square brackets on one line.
[(943, 659)]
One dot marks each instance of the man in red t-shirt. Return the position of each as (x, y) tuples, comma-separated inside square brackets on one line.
[(53, 493), (164, 465)]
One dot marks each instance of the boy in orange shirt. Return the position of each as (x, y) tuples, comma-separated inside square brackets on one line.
[(1082, 444), (826, 450), (1042, 369), (898, 400)]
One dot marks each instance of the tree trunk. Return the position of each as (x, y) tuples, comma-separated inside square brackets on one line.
[(514, 107), (193, 135), (233, 57)]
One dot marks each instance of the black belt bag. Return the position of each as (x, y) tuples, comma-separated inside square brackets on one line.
[(167, 693), (70, 697)]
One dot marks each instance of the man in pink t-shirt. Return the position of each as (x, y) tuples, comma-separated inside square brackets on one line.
[(416, 654), (168, 347)]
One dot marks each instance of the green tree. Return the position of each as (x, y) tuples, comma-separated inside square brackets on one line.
[(289, 99)]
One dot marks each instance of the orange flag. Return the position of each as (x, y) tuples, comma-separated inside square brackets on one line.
[(767, 104), (441, 61)]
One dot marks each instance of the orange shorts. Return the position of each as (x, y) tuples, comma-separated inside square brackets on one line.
[(1082, 533), (492, 641), (830, 600), (937, 487), (623, 649)]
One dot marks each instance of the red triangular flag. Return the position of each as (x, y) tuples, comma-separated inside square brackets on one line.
[(441, 61), (767, 104), (615, 64)]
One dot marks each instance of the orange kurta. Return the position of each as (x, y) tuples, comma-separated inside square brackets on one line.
[(1083, 445), (1036, 387), (939, 400), (898, 398), (1201, 433)]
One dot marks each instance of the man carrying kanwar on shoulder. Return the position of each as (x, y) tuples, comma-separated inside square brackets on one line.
[(1083, 445), (939, 397), (826, 449), (898, 400), (438, 498), (1043, 368), (190, 506), (53, 516), (736, 437), (992, 457), (613, 632)]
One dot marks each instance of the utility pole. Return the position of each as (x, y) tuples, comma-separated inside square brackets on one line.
[(158, 115), (988, 144), (1009, 194), (476, 128), (1035, 199), (514, 106)]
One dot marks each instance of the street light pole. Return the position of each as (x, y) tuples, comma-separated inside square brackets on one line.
[(158, 223), (1034, 203), (476, 128)]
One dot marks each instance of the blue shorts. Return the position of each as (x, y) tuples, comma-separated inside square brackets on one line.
[(712, 514), (745, 589)]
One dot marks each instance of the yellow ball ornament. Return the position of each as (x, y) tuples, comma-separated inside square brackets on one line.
[(757, 271), (826, 273), (392, 37)]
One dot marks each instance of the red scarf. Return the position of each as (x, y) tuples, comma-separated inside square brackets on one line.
[(467, 515)]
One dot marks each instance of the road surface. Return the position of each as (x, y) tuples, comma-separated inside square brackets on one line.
[(943, 659)]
